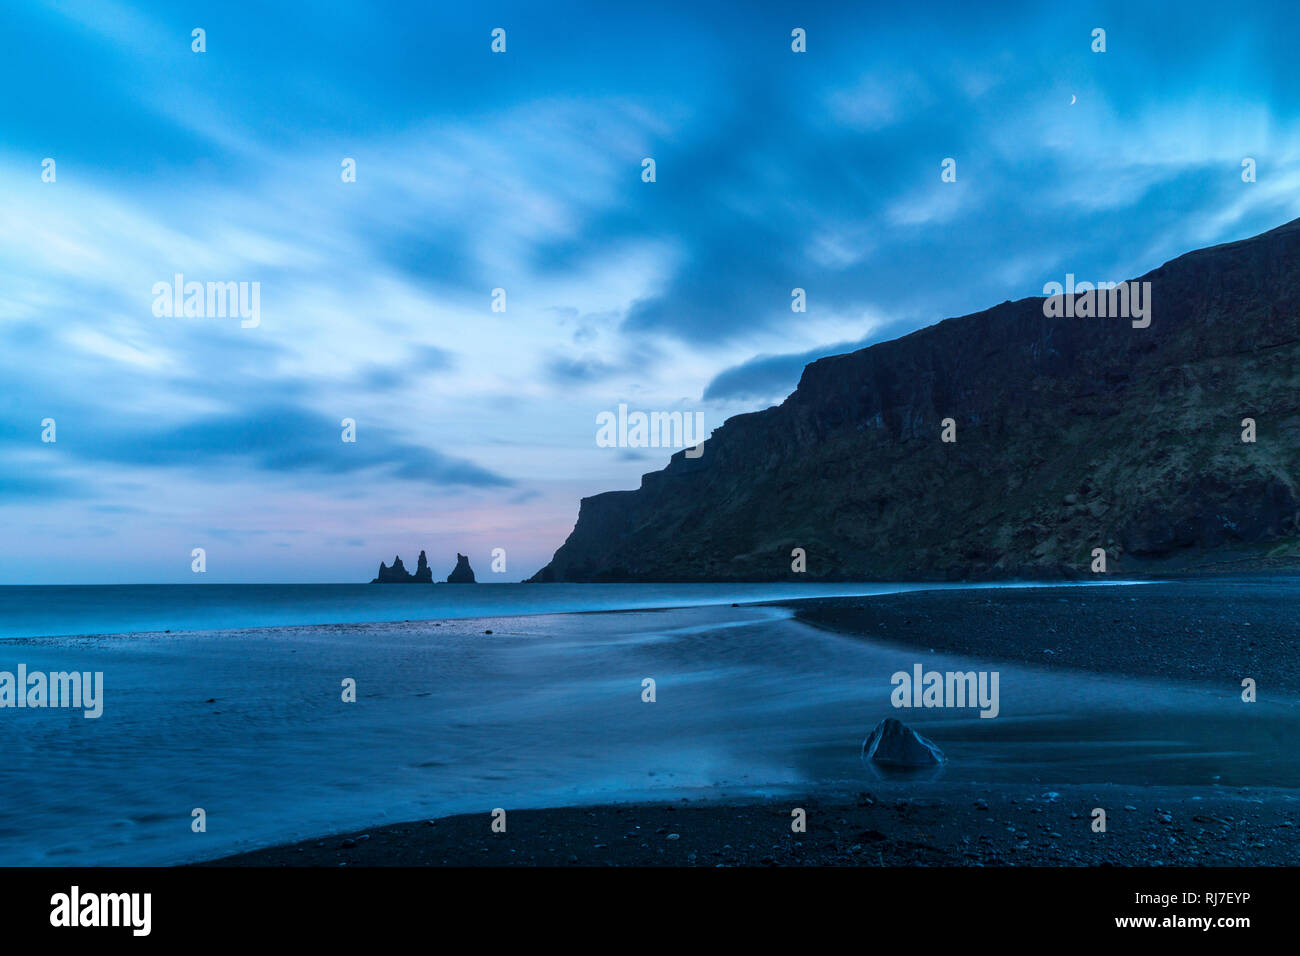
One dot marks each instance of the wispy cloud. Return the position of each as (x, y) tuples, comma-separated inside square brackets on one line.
[(775, 171)]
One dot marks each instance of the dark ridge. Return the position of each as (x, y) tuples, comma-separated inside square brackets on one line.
[(1072, 434)]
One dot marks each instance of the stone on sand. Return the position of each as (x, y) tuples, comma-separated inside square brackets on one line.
[(893, 742)]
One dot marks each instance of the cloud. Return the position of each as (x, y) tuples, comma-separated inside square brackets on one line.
[(291, 439), (418, 362), (766, 378), (281, 439), (775, 171), (575, 370)]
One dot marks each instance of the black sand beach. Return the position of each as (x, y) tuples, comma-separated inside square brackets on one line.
[(1194, 630), (1207, 630), (960, 826)]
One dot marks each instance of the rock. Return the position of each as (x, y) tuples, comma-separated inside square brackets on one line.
[(896, 744), (397, 573), (462, 573), (1032, 395)]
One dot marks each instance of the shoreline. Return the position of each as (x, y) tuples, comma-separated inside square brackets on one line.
[(944, 825), (1193, 631), (912, 587), (1205, 631)]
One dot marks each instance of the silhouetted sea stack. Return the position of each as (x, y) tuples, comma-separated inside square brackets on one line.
[(397, 574), (462, 573)]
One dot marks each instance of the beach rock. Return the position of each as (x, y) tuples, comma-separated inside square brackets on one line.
[(422, 573), (894, 743), (462, 573)]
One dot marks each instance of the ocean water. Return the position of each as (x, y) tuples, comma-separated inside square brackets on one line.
[(127, 609), (249, 725)]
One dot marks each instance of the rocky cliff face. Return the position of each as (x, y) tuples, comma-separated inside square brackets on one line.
[(1071, 434)]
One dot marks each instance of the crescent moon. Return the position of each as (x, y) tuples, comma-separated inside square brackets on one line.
[(1072, 99)]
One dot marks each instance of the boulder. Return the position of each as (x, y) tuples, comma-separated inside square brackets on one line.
[(895, 744)]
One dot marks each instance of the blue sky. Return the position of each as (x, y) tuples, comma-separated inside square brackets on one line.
[(522, 171)]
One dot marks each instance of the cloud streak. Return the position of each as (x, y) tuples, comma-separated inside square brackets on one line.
[(523, 172)]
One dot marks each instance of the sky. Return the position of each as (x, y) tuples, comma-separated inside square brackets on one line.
[(522, 170)]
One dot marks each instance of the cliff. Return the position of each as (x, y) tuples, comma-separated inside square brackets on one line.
[(1071, 434)]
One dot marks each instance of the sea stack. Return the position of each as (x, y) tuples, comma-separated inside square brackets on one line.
[(462, 573), (397, 574)]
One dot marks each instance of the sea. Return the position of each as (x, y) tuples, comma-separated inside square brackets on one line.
[(285, 712)]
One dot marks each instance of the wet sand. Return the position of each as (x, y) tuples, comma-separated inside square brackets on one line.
[(1198, 631), (1205, 630)]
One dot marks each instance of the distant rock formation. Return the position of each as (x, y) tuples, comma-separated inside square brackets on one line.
[(1069, 435), (397, 574), (462, 573)]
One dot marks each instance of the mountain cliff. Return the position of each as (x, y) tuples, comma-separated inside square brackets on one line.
[(1071, 434)]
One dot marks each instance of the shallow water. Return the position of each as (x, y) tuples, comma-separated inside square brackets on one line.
[(546, 711), (47, 611)]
